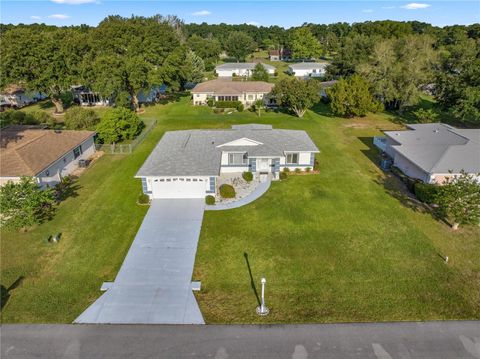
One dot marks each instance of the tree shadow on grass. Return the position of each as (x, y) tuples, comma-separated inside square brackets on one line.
[(322, 109), (252, 282), (5, 292)]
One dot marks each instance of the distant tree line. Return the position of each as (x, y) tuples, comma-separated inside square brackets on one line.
[(123, 56)]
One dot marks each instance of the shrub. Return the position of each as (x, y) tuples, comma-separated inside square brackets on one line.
[(286, 169), (143, 199), (227, 191), (227, 104), (210, 102), (247, 176), (78, 118), (43, 118), (210, 200), (119, 124), (240, 107), (298, 170), (15, 117), (283, 175), (123, 100), (425, 192), (308, 169)]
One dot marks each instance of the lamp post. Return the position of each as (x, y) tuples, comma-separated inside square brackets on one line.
[(262, 309)]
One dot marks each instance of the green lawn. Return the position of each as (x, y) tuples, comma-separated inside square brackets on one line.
[(343, 245)]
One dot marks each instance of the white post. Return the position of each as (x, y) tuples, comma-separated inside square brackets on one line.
[(262, 309)]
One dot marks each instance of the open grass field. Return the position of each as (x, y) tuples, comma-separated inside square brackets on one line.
[(343, 245)]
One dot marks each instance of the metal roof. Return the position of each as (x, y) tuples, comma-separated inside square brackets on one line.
[(439, 148)]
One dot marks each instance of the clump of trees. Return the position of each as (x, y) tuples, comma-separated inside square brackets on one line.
[(297, 95), (239, 45), (398, 68), (352, 97), (119, 124), (305, 45), (24, 204), (15, 117), (79, 118)]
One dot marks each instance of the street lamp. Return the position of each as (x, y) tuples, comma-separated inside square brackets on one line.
[(262, 309)]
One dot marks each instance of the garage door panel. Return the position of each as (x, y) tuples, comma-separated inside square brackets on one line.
[(179, 188)]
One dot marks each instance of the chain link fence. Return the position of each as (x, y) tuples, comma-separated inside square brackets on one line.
[(126, 148)]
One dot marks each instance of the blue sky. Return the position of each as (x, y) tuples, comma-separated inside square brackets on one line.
[(282, 13)]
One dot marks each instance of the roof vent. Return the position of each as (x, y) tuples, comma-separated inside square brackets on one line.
[(57, 130), (436, 130)]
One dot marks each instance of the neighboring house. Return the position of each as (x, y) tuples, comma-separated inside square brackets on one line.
[(86, 97), (186, 164), (326, 85), (247, 92), (15, 96), (241, 69), (153, 95), (308, 69), (47, 155), (432, 152), (280, 55)]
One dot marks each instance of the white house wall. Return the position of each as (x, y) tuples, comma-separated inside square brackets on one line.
[(409, 168), (65, 165)]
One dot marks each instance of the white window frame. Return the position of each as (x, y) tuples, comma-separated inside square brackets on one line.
[(231, 158), (290, 155)]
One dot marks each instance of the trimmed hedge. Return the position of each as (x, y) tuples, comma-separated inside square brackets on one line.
[(227, 191), (247, 176), (425, 192), (283, 175), (143, 199), (227, 104), (210, 200)]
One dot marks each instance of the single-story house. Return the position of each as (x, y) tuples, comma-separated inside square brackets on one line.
[(15, 96), (154, 94), (47, 155), (186, 164), (242, 69), (308, 69), (432, 152), (247, 92), (280, 54)]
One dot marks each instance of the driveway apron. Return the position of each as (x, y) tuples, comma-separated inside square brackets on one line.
[(153, 285)]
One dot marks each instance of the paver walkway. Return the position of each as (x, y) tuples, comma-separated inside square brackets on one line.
[(153, 285), (255, 194)]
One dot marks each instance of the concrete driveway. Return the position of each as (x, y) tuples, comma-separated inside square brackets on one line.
[(153, 285)]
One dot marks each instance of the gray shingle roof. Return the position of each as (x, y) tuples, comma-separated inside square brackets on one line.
[(439, 148), (242, 65), (196, 152)]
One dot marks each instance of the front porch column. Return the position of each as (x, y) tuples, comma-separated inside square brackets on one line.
[(252, 164)]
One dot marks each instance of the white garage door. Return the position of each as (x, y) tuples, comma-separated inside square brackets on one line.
[(179, 187)]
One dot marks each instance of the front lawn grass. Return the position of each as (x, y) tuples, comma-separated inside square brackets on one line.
[(342, 245)]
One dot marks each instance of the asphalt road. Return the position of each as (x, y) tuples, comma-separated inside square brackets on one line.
[(449, 340)]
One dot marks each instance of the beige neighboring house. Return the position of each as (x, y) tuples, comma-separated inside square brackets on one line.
[(432, 152), (247, 92), (47, 155)]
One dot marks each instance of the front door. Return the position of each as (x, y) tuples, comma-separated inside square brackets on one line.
[(263, 165)]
